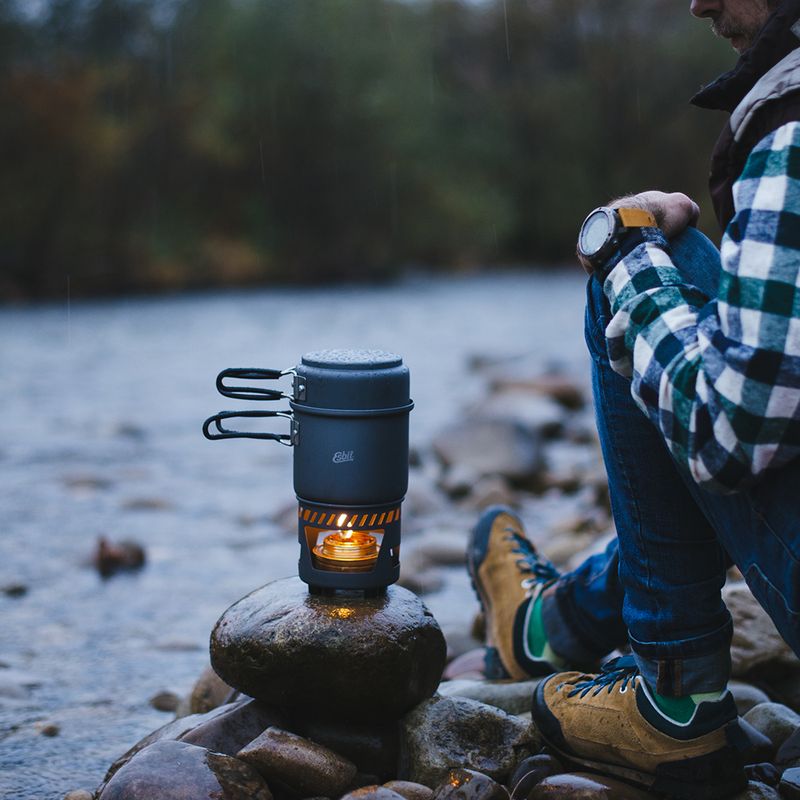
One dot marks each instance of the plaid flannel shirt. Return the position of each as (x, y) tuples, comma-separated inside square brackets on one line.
[(720, 376)]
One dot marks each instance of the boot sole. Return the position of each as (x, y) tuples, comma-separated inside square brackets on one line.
[(701, 778)]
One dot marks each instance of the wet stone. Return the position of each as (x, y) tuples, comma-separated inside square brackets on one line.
[(340, 657), (531, 771), (445, 731), (777, 722), (233, 727), (79, 794), (789, 753), (209, 692), (410, 790), (583, 786), (764, 773), (468, 665), (374, 792), (153, 773), (304, 766), (757, 791), (746, 696), (467, 784), (790, 784), (513, 697), (165, 701), (372, 747)]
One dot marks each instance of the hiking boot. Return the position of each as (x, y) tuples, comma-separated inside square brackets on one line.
[(610, 723), (508, 576)]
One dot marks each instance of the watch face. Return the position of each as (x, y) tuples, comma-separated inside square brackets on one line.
[(595, 232)]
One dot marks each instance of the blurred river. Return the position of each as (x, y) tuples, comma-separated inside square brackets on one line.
[(102, 408)]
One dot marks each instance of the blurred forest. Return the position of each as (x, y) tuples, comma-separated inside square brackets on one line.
[(155, 145)]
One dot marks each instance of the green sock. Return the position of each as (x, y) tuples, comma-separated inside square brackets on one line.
[(680, 709), (538, 645)]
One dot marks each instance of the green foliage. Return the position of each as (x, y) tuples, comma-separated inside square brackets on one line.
[(152, 145)]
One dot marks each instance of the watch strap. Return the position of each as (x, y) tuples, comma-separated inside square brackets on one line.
[(636, 218)]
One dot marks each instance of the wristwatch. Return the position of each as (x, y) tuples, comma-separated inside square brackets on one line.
[(603, 231)]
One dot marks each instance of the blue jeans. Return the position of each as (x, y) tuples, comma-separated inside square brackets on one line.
[(657, 586)]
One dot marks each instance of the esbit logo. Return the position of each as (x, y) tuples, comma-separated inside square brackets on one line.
[(343, 456)]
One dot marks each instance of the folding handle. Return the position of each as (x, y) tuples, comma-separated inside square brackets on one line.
[(252, 392), (222, 432)]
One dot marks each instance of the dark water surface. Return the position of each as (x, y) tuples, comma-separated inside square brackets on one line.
[(102, 408)]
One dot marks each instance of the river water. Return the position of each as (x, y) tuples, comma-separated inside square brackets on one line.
[(100, 436)]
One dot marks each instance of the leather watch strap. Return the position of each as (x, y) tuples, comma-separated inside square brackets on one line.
[(636, 218)]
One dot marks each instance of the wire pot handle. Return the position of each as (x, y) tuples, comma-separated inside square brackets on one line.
[(221, 432), (252, 392)]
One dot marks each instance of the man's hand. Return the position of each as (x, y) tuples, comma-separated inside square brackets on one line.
[(674, 212)]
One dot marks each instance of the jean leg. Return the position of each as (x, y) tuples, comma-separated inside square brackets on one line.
[(670, 565)]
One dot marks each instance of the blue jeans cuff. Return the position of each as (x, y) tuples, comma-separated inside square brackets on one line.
[(682, 668)]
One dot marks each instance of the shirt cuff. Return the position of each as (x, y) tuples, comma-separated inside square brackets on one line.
[(631, 239)]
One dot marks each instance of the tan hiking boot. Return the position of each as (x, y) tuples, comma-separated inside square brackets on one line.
[(610, 723), (507, 575)]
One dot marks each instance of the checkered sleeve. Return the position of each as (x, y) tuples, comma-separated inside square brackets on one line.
[(720, 376)]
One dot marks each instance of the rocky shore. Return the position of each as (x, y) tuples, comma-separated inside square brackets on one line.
[(381, 699)]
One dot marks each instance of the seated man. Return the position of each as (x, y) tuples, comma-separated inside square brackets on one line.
[(696, 381)]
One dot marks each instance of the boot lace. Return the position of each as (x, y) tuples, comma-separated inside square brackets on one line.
[(622, 669), (529, 561)]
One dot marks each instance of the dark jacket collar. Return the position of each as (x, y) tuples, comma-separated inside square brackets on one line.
[(775, 41)]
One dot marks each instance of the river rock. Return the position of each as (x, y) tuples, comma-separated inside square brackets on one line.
[(787, 690), (537, 414), (753, 746), (304, 766), (487, 446), (171, 731), (554, 385), (466, 784), (210, 691), (237, 724), (169, 770), (757, 791), (79, 794), (372, 747), (789, 753), (531, 771), (790, 784), (410, 790), (345, 658), (373, 792), (513, 697), (763, 773), (746, 696), (583, 786), (490, 490), (444, 732), (757, 648), (775, 721)]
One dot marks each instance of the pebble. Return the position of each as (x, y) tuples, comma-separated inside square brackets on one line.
[(447, 731), (513, 697), (775, 721), (165, 701), (79, 794), (539, 415), (203, 775), (15, 590), (410, 790), (756, 747), (490, 490), (790, 784), (467, 784), (111, 557), (50, 729), (746, 695), (583, 786), (304, 766), (531, 771), (555, 385), (295, 650)]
